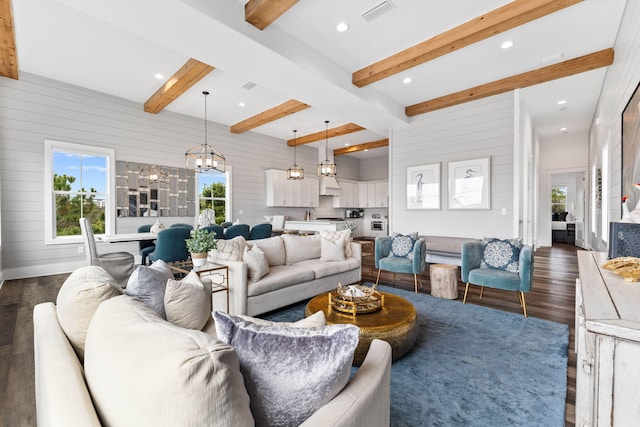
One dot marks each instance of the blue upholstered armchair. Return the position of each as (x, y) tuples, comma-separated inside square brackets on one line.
[(516, 278), (215, 229), (413, 263)]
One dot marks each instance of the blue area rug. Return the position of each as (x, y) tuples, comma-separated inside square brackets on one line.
[(475, 366)]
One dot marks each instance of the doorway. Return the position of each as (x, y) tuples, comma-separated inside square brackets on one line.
[(568, 206)]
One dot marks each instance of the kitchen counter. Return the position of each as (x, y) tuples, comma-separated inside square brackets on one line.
[(315, 225)]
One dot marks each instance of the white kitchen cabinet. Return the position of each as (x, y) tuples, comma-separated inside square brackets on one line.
[(283, 192), (349, 195), (607, 345), (374, 194)]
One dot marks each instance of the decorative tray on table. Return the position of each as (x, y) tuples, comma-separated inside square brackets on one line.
[(356, 299)]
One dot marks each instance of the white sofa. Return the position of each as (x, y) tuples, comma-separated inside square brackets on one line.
[(296, 272), (134, 374)]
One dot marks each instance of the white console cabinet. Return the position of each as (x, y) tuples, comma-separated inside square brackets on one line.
[(607, 345)]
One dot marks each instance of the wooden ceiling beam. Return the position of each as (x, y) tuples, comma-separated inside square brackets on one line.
[(319, 136), (290, 107), (8, 52), (509, 16), (567, 68), (187, 76), (262, 13), (361, 147)]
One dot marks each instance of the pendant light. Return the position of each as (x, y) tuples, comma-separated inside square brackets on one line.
[(326, 167), (295, 171), (204, 158)]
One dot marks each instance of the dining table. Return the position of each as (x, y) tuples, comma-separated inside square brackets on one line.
[(126, 237)]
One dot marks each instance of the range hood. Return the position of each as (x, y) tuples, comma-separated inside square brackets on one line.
[(329, 186)]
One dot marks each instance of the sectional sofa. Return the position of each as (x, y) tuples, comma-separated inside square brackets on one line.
[(291, 268), (104, 358)]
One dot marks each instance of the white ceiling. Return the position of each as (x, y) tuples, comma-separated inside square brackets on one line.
[(117, 47)]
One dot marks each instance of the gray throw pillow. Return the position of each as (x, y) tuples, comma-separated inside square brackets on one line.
[(289, 372), (148, 284)]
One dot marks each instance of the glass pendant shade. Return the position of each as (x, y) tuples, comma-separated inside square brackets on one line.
[(295, 171), (204, 158), (327, 167)]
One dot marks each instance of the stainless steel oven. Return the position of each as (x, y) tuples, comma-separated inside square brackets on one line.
[(377, 225)]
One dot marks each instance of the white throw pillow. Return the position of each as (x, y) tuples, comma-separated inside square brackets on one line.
[(142, 370), (332, 250), (186, 302), (273, 249), (229, 250), (301, 248), (335, 235), (78, 299), (257, 265)]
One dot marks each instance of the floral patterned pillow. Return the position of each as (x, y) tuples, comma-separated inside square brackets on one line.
[(402, 245), (502, 254)]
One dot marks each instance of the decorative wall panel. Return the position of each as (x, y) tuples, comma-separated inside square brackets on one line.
[(173, 194)]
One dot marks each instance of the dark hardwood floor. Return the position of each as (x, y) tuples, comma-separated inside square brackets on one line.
[(552, 298)]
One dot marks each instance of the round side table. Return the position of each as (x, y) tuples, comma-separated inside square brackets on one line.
[(444, 280)]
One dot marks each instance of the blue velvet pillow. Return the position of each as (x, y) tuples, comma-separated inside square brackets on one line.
[(402, 245), (289, 372), (502, 254), (148, 284)]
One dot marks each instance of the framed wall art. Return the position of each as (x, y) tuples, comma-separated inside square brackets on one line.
[(423, 187), (631, 149), (470, 184)]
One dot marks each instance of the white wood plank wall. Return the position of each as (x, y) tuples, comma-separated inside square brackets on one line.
[(482, 128), (33, 109), (621, 80)]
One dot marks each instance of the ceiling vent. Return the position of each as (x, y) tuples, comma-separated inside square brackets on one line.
[(249, 85), (378, 10)]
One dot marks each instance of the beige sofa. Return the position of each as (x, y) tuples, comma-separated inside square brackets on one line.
[(296, 272), (134, 374)]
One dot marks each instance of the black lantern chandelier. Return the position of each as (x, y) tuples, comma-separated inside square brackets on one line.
[(326, 167), (204, 158), (295, 171)]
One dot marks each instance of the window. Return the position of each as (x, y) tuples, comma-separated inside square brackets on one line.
[(558, 199), (214, 192), (78, 183)]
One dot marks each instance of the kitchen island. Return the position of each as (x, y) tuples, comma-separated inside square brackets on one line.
[(315, 225)]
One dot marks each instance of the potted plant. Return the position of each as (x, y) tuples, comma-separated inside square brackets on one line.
[(199, 244)]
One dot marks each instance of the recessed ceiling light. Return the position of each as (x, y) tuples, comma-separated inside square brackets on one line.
[(506, 44), (158, 76), (562, 102), (347, 144), (342, 27), (366, 149), (563, 129), (407, 80), (241, 104)]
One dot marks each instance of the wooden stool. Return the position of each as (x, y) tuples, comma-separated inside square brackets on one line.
[(444, 281)]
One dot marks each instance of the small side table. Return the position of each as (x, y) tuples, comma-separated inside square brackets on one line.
[(217, 274), (444, 280)]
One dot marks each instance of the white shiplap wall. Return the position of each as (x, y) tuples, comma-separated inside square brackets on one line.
[(482, 128), (33, 109), (621, 80), (374, 169)]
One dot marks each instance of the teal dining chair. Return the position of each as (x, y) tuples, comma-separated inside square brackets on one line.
[(171, 245), (145, 247)]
